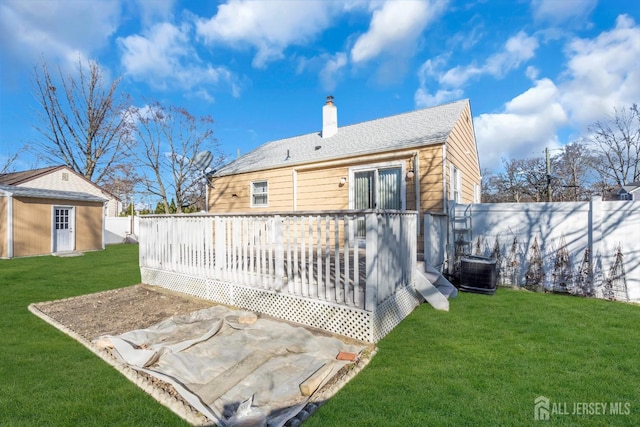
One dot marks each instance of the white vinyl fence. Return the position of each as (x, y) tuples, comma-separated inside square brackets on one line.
[(584, 248), (121, 229), (323, 269)]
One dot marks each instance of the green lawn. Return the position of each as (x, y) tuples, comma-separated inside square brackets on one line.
[(483, 363)]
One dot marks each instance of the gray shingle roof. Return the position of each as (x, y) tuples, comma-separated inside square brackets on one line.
[(40, 193), (416, 128)]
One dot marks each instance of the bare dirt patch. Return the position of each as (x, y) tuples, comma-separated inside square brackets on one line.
[(120, 310), (140, 306)]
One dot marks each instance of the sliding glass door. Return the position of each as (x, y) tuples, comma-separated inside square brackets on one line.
[(379, 188)]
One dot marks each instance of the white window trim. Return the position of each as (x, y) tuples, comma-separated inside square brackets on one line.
[(251, 187), (376, 166), (455, 178)]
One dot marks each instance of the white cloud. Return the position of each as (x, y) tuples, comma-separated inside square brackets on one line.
[(529, 121), (269, 27), (516, 51), (603, 73), (600, 74), (422, 98), (163, 58), (332, 70), (153, 11), (61, 31), (558, 12), (395, 26)]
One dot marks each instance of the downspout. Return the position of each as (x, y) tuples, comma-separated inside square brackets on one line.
[(416, 182), (445, 205), (104, 221), (206, 195), (9, 225)]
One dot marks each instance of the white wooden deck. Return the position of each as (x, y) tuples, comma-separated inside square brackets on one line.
[(313, 264)]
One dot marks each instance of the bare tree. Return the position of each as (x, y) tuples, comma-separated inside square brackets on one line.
[(169, 138), (616, 145), (519, 182), (571, 173), (121, 180), (82, 119), (8, 165)]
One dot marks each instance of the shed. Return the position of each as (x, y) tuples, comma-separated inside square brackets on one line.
[(35, 221), (62, 178)]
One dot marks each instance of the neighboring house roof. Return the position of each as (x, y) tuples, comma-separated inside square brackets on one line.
[(20, 178), (403, 131), (16, 178), (39, 193), (630, 188)]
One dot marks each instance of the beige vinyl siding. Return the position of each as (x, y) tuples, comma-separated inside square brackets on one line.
[(32, 225), (320, 189), (232, 194), (462, 153), (4, 235), (88, 230), (431, 179)]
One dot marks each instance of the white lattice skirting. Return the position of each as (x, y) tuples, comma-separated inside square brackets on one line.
[(343, 320)]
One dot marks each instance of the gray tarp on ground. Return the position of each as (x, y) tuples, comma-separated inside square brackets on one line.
[(232, 372)]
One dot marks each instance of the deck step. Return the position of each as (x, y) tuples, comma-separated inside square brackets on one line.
[(430, 293), (433, 286), (439, 281)]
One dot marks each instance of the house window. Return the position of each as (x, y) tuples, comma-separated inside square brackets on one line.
[(456, 184), (259, 194)]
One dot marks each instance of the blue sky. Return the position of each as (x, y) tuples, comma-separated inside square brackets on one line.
[(537, 72)]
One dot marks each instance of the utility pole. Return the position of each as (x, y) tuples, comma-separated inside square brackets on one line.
[(546, 150)]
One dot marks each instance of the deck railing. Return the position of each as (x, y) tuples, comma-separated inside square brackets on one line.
[(350, 258)]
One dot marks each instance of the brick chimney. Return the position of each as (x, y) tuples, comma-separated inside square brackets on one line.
[(329, 118)]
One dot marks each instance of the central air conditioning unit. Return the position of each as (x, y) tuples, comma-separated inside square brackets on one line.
[(478, 274)]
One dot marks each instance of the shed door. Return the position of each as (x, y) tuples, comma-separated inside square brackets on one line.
[(63, 224)]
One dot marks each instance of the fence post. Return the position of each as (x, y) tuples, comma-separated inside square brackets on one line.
[(595, 231), (427, 238), (279, 255), (413, 246), (220, 246), (371, 230)]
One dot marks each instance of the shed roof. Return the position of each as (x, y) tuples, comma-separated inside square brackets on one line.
[(408, 130), (23, 177), (16, 178), (40, 193)]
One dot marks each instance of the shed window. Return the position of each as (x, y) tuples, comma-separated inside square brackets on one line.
[(259, 194)]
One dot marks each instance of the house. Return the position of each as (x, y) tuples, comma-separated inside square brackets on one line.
[(625, 192), (36, 221), (283, 242), (413, 161), (62, 178)]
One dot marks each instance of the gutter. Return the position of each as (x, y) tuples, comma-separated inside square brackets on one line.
[(349, 161)]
